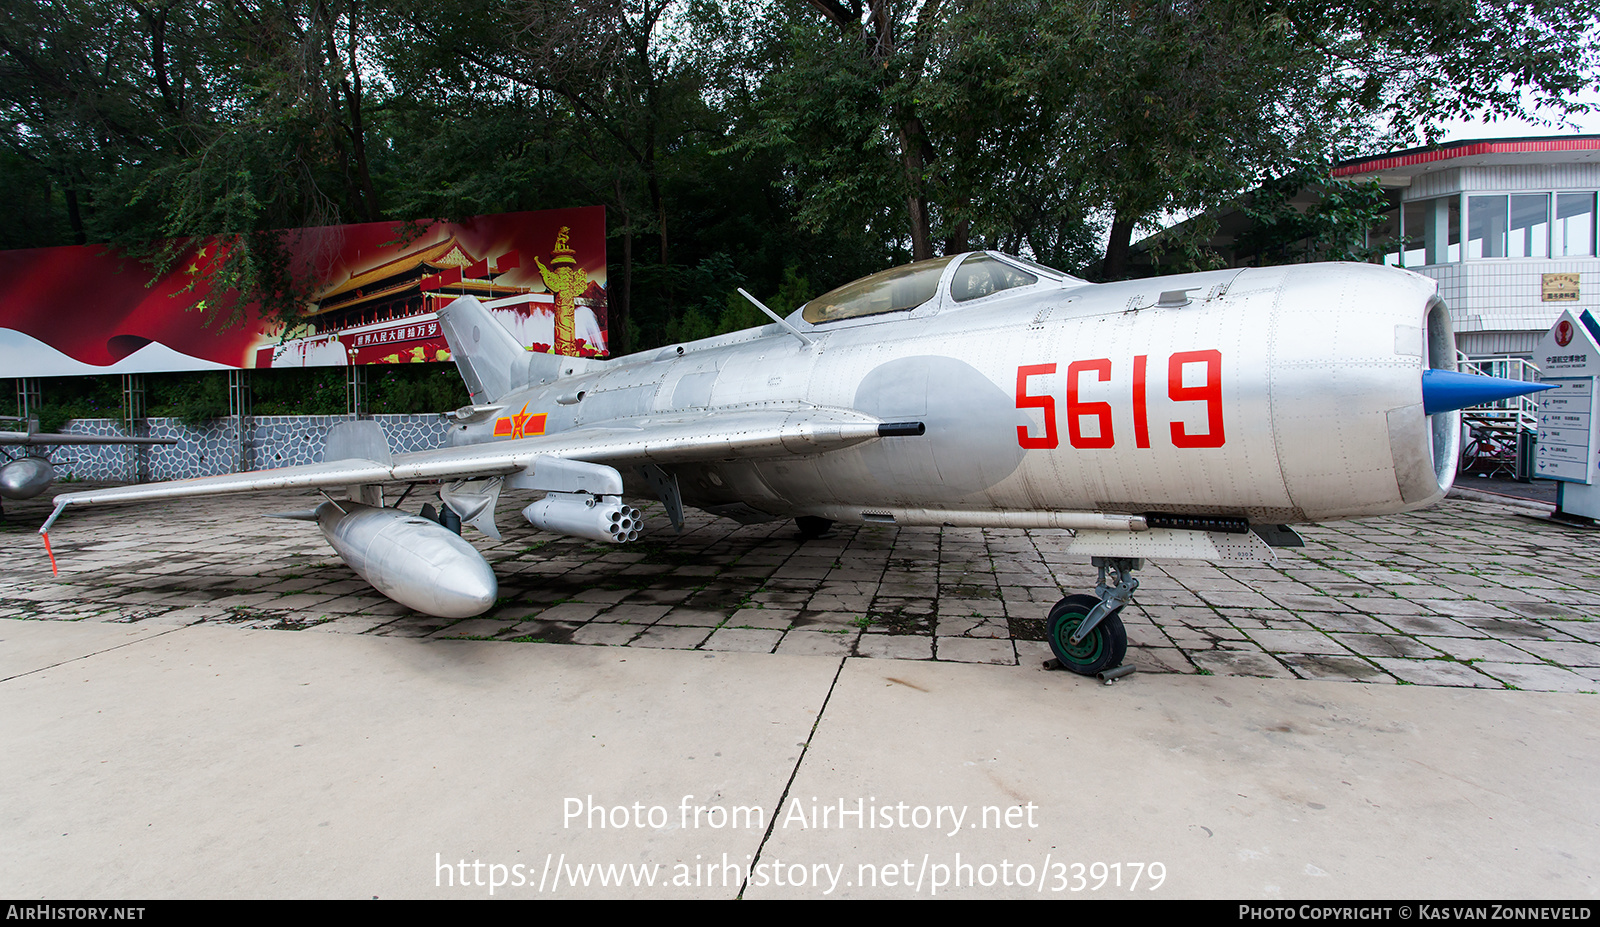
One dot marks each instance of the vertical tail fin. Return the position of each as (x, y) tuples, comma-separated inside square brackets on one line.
[(490, 360)]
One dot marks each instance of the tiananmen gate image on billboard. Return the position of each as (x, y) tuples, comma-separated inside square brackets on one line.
[(87, 310)]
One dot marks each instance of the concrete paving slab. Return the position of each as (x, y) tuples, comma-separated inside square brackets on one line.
[(222, 763), (217, 762), (1438, 608), (1242, 788), (744, 640), (30, 646)]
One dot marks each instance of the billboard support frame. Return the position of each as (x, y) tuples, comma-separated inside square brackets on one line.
[(240, 409), (28, 398), (355, 387), (135, 422)]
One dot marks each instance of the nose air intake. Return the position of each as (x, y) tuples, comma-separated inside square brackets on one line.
[(1447, 390)]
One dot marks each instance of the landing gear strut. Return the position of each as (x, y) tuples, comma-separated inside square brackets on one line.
[(445, 516), (1085, 631)]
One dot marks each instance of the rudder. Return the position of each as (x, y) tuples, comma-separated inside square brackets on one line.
[(491, 361)]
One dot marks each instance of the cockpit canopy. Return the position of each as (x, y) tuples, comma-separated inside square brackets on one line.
[(907, 287)]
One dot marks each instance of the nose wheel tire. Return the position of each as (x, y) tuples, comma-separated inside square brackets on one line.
[(1103, 649)]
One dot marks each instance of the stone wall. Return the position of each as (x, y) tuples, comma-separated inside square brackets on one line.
[(273, 441)]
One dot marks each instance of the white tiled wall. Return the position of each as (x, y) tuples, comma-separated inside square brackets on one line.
[(1505, 294), (1504, 179)]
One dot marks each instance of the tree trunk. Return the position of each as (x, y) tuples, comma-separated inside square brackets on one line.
[(358, 130), (960, 237), (912, 155), (1116, 262), (75, 217)]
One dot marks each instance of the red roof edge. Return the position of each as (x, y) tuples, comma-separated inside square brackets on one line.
[(1465, 150)]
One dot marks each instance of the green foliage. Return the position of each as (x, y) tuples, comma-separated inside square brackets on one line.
[(33, 206), (729, 140), (200, 397), (299, 391), (397, 389), (1184, 248), (67, 398), (193, 398), (415, 389), (1333, 228), (716, 278)]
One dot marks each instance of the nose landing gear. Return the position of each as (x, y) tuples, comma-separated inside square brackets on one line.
[(1085, 631)]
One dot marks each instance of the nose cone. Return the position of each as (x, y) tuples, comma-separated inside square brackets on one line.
[(1446, 390), (468, 588)]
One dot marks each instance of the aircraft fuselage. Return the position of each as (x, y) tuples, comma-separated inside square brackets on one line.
[(1281, 394)]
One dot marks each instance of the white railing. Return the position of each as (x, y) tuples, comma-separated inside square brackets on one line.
[(1494, 431), (1521, 411)]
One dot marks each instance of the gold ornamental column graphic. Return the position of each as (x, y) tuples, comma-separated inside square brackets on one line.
[(567, 281)]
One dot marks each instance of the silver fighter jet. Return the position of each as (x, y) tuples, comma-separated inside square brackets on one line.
[(1194, 416)]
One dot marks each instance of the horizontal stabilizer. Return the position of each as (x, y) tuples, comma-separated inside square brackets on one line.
[(1447, 390), (362, 439)]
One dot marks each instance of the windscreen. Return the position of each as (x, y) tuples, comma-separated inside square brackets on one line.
[(892, 290), (980, 275)]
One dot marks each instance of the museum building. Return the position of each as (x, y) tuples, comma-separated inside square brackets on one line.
[(1506, 226)]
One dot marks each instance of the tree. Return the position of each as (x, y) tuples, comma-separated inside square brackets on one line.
[(164, 121), (1222, 96), (728, 139), (1068, 109), (848, 106), (599, 86)]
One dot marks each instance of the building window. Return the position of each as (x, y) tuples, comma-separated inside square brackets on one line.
[(1432, 231), (1499, 225), (1530, 225), (1573, 235), (1491, 233), (1486, 227)]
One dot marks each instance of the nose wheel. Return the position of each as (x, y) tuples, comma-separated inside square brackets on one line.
[(1102, 648), (1085, 631)]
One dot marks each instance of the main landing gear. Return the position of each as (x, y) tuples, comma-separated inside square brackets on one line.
[(445, 516), (1085, 631)]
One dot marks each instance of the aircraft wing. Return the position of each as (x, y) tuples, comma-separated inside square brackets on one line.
[(35, 439), (673, 438)]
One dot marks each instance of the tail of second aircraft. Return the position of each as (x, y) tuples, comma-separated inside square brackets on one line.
[(491, 361)]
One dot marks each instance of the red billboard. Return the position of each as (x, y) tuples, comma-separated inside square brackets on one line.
[(87, 309)]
